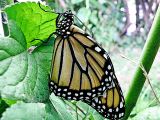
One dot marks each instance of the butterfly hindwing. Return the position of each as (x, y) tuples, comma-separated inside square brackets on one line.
[(111, 104)]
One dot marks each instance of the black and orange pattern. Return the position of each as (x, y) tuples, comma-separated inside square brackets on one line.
[(82, 70)]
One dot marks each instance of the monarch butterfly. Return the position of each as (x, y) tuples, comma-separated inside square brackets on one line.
[(82, 70), (79, 64)]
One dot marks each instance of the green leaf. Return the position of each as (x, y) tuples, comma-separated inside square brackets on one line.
[(84, 14), (34, 22), (61, 108), (35, 111), (51, 113), (90, 112), (23, 75), (25, 111), (9, 102), (94, 18)]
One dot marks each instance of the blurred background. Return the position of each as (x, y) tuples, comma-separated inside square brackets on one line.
[(121, 28)]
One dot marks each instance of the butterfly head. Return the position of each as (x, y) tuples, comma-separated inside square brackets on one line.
[(64, 23)]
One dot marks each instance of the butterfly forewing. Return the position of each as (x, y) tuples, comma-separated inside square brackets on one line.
[(81, 68)]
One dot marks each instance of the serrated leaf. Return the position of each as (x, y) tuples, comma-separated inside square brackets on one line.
[(51, 113), (61, 108), (23, 76), (33, 21), (32, 111), (25, 111)]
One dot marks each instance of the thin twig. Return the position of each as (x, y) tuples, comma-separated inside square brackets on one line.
[(145, 74)]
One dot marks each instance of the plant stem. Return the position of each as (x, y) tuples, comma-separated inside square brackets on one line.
[(148, 55), (5, 26)]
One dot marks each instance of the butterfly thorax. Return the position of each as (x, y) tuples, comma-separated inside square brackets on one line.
[(64, 24)]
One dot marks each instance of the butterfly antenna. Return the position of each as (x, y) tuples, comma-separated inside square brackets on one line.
[(85, 26)]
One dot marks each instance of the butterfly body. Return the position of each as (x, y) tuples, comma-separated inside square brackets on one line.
[(64, 25), (82, 70)]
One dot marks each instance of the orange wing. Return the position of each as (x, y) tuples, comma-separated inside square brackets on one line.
[(111, 104), (81, 69)]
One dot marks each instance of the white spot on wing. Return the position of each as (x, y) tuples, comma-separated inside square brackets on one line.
[(51, 87), (117, 109), (55, 86), (96, 100), (69, 93), (74, 98), (89, 37), (106, 72), (104, 94), (59, 89), (76, 94), (102, 110), (97, 49), (111, 73), (65, 90), (106, 79), (64, 95), (105, 56), (110, 110), (69, 97), (52, 83), (93, 95), (81, 98), (68, 32), (104, 88), (121, 104), (109, 67), (87, 97), (93, 104), (100, 89), (104, 107)]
